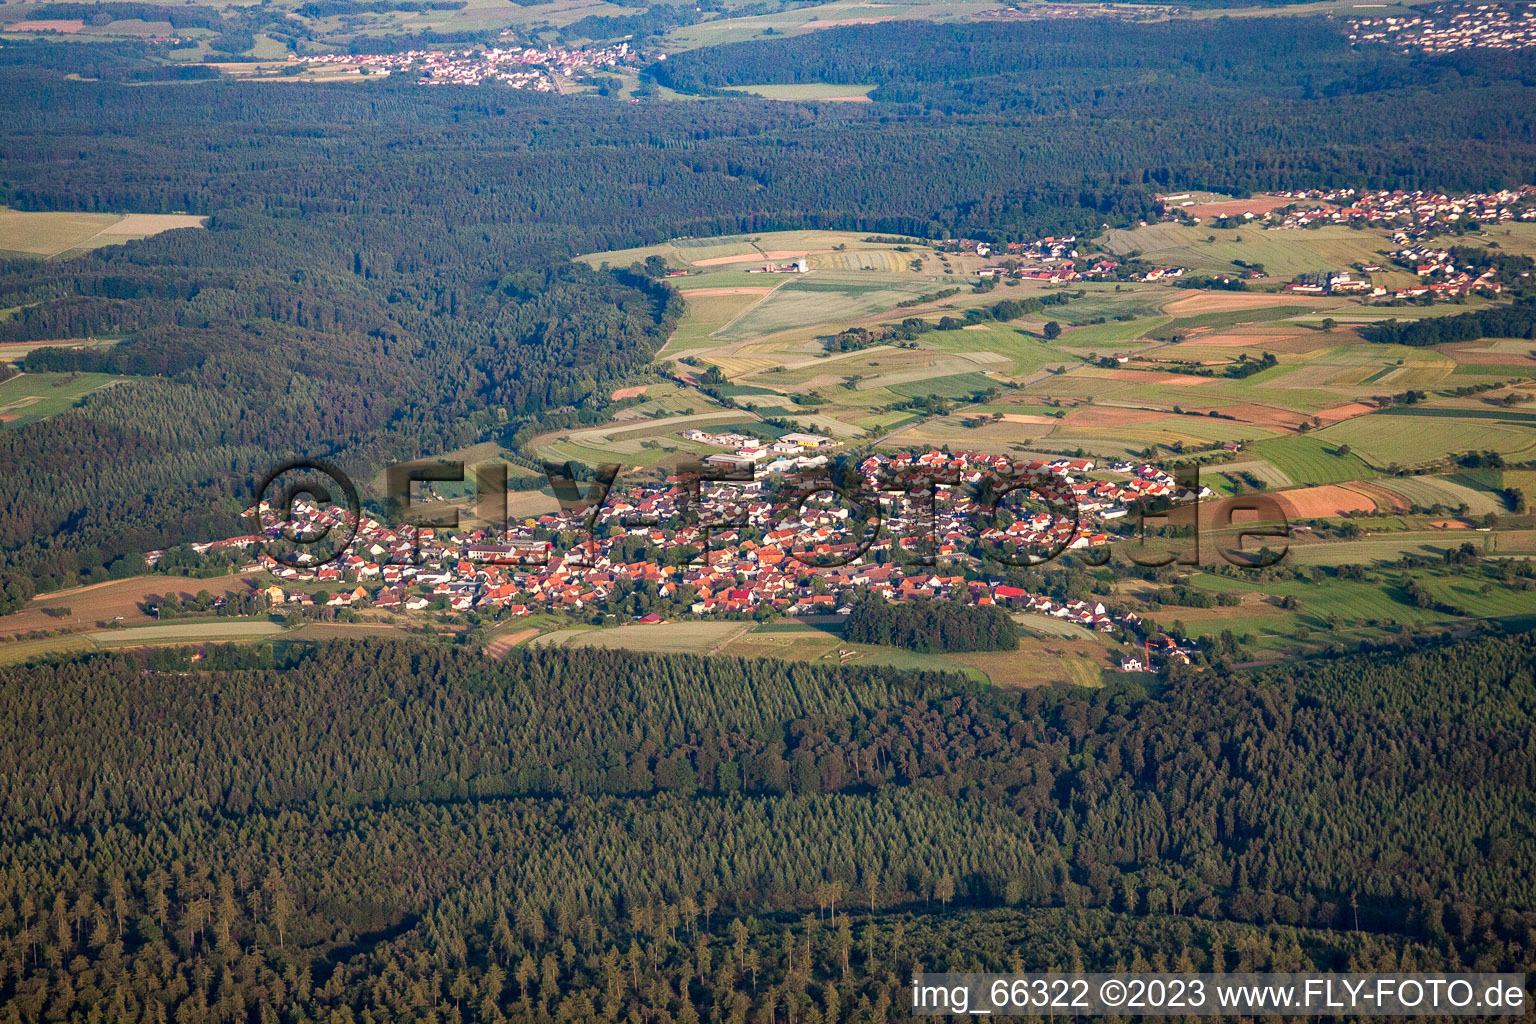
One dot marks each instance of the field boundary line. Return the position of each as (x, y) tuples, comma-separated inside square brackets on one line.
[(731, 322), (743, 631)]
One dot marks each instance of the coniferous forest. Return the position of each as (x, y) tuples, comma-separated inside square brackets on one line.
[(389, 831)]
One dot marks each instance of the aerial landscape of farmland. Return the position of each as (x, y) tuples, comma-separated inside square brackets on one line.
[(766, 511)]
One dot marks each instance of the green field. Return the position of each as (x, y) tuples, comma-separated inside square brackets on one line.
[(1414, 435), (1347, 599), (1284, 254), (36, 396), (1498, 603), (1429, 491), (1111, 335), (702, 316), (1307, 459), (15, 652), (186, 632), (957, 386), (1229, 318), (806, 91), (692, 636), (804, 303), (1385, 547), (1024, 353)]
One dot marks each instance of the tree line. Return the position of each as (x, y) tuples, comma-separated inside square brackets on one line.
[(926, 626), (1518, 321)]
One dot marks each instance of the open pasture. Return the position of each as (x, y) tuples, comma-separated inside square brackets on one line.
[(1466, 595), (1102, 299), (955, 386), (1281, 339), (796, 21), (1512, 352), (1375, 548), (16, 652), (30, 397), (1052, 653), (734, 251), (1019, 353), (1193, 324), (640, 443), (16, 351), (1348, 599)]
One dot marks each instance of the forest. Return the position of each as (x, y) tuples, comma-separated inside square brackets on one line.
[(1517, 321), (931, 626), (521, 839)]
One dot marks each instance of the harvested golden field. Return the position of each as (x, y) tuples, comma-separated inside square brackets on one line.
[(1237, 207), (1104, 416), (502, 645), (64, 25), (1324, 502), (100, 603), (50, 234), (1229, 302)]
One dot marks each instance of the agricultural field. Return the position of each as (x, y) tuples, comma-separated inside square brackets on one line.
[(1309, 421), (1351, 601), (210, 631), (1283, 254), (1400, 494), (1307, 460), (638, 442), (1373, 548), (808, 91), (54, 234), (1112, 336), (1303, 615), (1414, 435), (691, 636), (821, 297), (316, 631), (101, 603), (1078, 658), (707, 310), (30, 397), (549, 22), (796, 21), (16, 351), (705, 257)]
